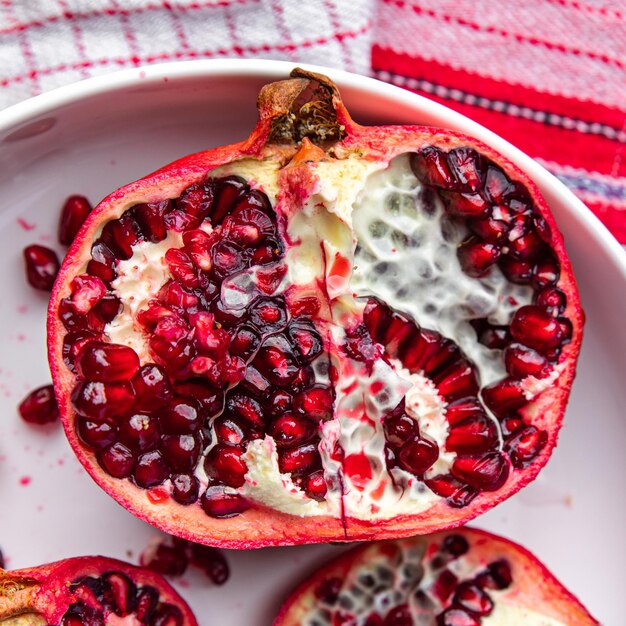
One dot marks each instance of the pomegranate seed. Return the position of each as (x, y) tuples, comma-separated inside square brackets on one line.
[(228, 191), (469, 205), (180, 451), (527, 247), (171, 345), (218, 501), (225, 463), (246, 408), (229, 431), (40, 406), (211, 561), (478, 257), (139, 432), (106, 362), (121, 235), (426, 347), (181, 416), (197, 200), (466, 165), (147, 602), (210, 339), (268, 280), (181, 267), (177, 298), (418, 455), (87, 291), (254, 199), (101, 401), (504, 397), (278, 402), (305, 338), (102, 263), (444, 585), (457, 381), (268, 314), (119, 592), (151, 219), (73, 214), (497, 576), (108, 308), (247, 226), (315, 403), (300, 460), (487, 472), (546, 273), (227, 259), (291, 430), (399, 616), (398, 430), (328, 590), (457, 617), (150, 470), (489, 229), (472, 435), (518, 272), (42, 266), (198, 246), (536, 328), (552, 299), (521, 361), (276, 361), (455, 545), (314, 485), (167, 615), (179, 221), (244, 342), (117, 460), (431, 168), (497, 185), (524, 445), (96, 435), (307, 306), (150, 317), (511, 424), (185, 488), (542, 227), (465, 408), (211, 400), (165, 559), (456, 493), (152, 387), (472, 598)]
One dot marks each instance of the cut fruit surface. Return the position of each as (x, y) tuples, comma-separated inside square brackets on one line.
[(90, 590), (465, 577), (325, 332)]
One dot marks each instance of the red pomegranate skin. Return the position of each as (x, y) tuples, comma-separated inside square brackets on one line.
[(216, 513), (454, 577)]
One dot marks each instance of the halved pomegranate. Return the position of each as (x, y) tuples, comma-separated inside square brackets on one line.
[(325, 332), (466, 577), (90, 590)]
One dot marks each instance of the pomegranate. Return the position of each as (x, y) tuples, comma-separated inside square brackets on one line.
[(90, 590), (326, 332), (465, 577)]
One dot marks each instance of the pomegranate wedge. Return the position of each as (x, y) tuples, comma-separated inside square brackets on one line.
[(462, 578), (90, 590), (325, 332)]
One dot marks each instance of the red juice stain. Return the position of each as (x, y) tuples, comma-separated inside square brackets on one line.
[(24, 224), (359, 469), (25, 481), (157, 496)]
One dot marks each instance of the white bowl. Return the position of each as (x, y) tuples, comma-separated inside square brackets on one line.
[(93, 136)]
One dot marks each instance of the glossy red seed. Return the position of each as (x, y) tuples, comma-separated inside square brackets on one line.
[(504, 396), (210, 339), (546, 273), (73, 214), (247, 226), (117, 460), (399, 429), (101, 401), (487, 472), (521, 361), (42, 266), (497, 185), (165, 559), (198, 246), (97, 435), (39, 406), (268, 279), (473, 435), (276, 361), (180, 451), (399, 616), (467, 167), (455, 545), (151, 219), (291, 430), (220, 502), (315, 403), (180, 221), (527, 247), (246, 408), (314, 485), (106, 362), (197, 200), (463, 409), (139, 432), (536, 328), (211, 561), (524, 446), (518, 272), (472, 598), (457, 617), (444, 585), (457, 493), (150, 470), (244, 342), (87, 291), (185, 488), (300, 460), (121, 235), (431, 168), (178, 298), (227, 259), (181, 267), (181, 416), (102, 262), (498, 576), (552, 299), (490, 229), (268, 314), (225, 463), (229, 431), (152, 387), (171, 345), (468, 205), (228, 192), (458, 380), (306, 339), (478, 257), (418, 455)]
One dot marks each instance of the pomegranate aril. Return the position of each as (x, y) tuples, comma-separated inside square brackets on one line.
[(147, 601), (522, 361), (244, 342), (315, 403), (185, 488), (73, 214), (418, 455), (40, 406), (219, 501), (473, 599), (527, 247), (472, 435), (167, 615), (266, 253), (165, 559), (535, 327), (455, 545), (524, 445), (150, 470), (467, 167), (181, 416), (225, 463), (478, 257), (399, 616), (458, 380), (444, 585), (121, 235), (268, 314), (227, 259), (151, 219), (100, 400), (328, 590), (431, 168), (108, 308), (497, 184), (139, 432), (211, 400), (552, 299), (42, 266), (181, 267), (152, 387), (117, 460), (180, 451), (102, 262), (211, 561), (106, 362), (209, 339), (228, 190), (276, 361), (487, 472), (177, 298), (268, 279), (180, 221), (119, 593), (469, 205), (497, 576), (518, 272), (314, 485), (96, 435), (172, 346), (248, 227), (246, 408), (278, 402), (229, 431), (398, 430), (197, 199), (457, 617), (463, 409), (291, 430), (198, 246), (87, 291), (490, 229), (504, 396), (300, 460), (253, 199)]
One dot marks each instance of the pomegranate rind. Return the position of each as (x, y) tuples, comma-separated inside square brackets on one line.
[(258, 526), (43, 592), (534, 587)]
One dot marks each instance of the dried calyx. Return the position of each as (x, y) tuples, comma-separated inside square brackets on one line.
[(377, 331)]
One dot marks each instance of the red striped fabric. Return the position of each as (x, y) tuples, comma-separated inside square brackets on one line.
[(548, 75)]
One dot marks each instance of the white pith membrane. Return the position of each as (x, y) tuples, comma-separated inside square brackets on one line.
[(366, 229), (380, 583)]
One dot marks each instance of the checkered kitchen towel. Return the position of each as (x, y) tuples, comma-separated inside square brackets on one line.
[(548, 75)]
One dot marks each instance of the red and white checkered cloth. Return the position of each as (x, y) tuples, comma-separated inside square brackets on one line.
[(548, 75)]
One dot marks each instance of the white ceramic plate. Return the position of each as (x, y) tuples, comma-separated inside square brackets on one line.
[(94, 136)]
